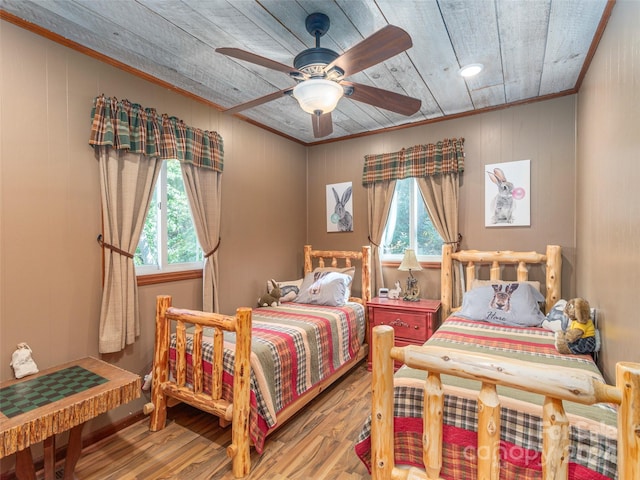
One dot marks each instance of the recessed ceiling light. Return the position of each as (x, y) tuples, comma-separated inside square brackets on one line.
[(471, 70)]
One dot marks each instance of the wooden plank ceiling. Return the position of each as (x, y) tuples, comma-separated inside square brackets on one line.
[(530, 49)]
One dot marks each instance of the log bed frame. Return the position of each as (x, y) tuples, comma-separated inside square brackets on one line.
[(237, 413), (491, 371)]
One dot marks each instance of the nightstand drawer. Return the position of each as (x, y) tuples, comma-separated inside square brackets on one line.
[(410, 326), (413, 322)]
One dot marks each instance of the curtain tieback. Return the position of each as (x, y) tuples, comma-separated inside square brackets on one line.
[(207, 255), (371, 241), (112, 248), (456, 243)]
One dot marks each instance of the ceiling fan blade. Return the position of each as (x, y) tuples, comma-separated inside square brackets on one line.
[(322, 125), (257, 59), (385, 43), (386, 99), (258, 101)]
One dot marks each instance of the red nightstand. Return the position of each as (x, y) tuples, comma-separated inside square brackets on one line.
[(413, 322)]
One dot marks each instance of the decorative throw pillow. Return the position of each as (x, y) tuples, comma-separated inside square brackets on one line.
[(556, 320), (351, 271), (324, 288), (476, 282), (288, 288), (513, 304)]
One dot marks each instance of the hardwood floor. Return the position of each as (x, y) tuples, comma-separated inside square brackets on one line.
[(317, 443)]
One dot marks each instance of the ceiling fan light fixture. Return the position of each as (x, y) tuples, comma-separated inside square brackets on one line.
[(471, 70), (318, 95)]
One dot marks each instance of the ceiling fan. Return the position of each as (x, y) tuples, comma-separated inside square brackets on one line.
[(320, 73)]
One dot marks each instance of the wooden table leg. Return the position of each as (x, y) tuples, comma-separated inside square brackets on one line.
[(74, 448), (50, 458), (24, 465)]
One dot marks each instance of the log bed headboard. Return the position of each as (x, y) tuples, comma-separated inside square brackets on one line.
[(471, 259), (364, 256)]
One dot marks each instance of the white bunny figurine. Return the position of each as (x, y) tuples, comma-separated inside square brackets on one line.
[(22, 362), (395, 292)]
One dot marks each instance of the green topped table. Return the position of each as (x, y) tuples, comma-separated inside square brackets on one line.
[(35, 408)]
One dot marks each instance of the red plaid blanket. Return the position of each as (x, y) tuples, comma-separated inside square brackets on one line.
[(593, 428), (293, 347)]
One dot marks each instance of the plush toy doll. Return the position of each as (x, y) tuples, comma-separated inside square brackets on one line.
[(22, 362), (580, 336), (272, 298)]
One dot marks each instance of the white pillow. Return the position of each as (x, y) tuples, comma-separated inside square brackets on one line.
[(325, 288), (513, 304), (351, 271), (556, 320)]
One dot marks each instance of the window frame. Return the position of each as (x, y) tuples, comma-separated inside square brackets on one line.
[(164, 272), (396, 258)]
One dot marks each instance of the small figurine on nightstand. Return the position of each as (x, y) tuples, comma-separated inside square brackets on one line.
[(395, 293), (412, 294)]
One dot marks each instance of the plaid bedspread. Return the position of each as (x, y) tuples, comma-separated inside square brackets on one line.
[(294, 346), (593, 428)]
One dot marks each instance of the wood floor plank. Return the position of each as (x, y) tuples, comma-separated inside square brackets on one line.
[(317, 443)]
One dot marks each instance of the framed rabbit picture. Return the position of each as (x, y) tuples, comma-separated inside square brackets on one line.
[(339, 207), (507, 194)]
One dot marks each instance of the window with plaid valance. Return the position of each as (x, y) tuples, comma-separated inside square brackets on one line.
[(128, 126), (130, 143), (436, 168), (446, 156)]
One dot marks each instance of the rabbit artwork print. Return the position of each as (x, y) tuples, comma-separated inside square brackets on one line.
[(503, 205), (338, 208), (512, 183)]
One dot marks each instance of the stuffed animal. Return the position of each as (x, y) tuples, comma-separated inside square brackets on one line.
[(580, 336), (22, 362), (272, 298)]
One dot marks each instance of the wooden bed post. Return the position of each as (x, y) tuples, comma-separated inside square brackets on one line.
[(556, 447), (366, 274), (240, 442), (433, 420), (382, 461), (160, 365), (446, 281), (488, 432), (554, 279), (628, 382), (308, 266)]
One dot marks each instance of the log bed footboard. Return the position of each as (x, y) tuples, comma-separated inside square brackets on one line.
[(194, 394), (491, 371), (238, 411)]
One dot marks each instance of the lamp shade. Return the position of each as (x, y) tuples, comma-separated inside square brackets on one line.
[(318, 95), (409, 261)]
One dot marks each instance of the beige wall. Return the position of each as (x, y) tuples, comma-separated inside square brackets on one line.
[(542, 132), (608, 173)]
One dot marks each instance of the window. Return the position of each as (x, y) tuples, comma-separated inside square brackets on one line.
[(168, 242), (409, 226)]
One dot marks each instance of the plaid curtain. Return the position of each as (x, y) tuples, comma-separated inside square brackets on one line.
[(418, 161), (123, 125)]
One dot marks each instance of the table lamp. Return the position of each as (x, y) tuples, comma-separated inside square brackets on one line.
[(409, 263)]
